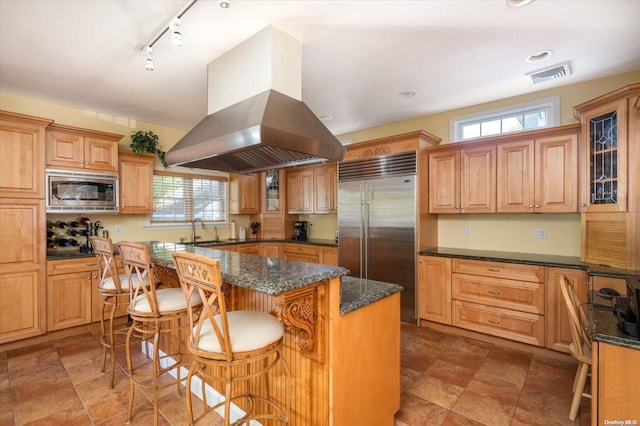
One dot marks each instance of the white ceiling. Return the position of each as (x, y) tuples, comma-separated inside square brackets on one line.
[(357, 55)]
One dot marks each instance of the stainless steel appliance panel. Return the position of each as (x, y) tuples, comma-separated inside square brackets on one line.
[(376, 219)]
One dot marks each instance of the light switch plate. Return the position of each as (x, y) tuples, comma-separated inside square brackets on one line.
[(467, 231)]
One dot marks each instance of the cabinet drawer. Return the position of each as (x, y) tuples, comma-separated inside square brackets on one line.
[(505, 323), (514, 271), (301, 249), (510, 294), (251, 248), (68, 266)]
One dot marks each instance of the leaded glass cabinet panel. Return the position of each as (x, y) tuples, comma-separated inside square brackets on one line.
[(604, 154)]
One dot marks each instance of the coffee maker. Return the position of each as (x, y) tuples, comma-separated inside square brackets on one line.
[(300, 230)]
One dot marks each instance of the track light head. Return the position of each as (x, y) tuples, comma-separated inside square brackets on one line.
[(224, 3), (176, 35), (148, 60)]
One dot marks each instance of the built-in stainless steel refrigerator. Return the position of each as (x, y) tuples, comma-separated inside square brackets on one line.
[(377, 223)]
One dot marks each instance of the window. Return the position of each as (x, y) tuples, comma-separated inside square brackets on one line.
[(515, 118), (179, 198)]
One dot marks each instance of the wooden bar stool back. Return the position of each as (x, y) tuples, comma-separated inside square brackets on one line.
[(113, 287), (235, 349), (580, 346), (159, 316)]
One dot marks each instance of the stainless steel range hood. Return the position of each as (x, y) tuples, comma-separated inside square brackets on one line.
[(269, 130)]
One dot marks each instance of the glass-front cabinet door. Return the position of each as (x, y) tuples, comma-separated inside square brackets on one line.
[(272, 194), (604, 158)]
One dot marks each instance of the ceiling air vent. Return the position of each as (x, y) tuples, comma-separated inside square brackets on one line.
[(557, 71)]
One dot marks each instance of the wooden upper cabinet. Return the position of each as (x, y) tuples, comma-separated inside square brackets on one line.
[(79, 149), (300, 191), (515, 177), (244, 194), (136, 183), (444, 183), (324, 184), (22, 140), (604, 158), (272, 184), (538, 175), (556, 174), (463, 181)]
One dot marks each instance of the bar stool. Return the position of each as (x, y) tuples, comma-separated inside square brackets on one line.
[(154, 312), (113, 286), (229, 347)]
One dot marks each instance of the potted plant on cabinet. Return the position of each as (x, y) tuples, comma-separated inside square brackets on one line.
[(147, 141)]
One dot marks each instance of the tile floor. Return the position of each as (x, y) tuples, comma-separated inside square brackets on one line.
[(446, 380)]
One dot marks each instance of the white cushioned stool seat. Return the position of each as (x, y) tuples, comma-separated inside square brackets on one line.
[(169, 299), (249, 330), (108, 283)]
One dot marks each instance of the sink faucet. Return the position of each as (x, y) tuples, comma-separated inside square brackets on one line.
[(215, 230), (194, 237)]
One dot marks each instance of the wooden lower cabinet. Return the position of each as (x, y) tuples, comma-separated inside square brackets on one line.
[(22, 268), (269, 249), (558, 330), (328, 256), (301, 252), (69, 300), (72, 293), (514, 301), (434, 293), (615, 384), (249, 248), (499, 298), (507, 323)]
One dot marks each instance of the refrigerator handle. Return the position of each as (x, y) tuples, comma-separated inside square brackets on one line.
[(364, 233)]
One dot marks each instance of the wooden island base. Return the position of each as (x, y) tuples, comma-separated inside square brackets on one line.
[(345, 367)]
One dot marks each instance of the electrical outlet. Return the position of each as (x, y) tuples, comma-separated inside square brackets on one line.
[(118, 229), (540, 233), (467, 231)]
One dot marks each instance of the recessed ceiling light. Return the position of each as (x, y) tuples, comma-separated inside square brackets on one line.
[(539, 56), (326, 117), (518, 3), (407, 94)]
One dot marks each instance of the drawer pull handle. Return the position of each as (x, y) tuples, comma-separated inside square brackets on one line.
[(494, 322), (494, 269), (493, 292)]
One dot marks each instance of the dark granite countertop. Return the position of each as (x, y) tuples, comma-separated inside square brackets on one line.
[(529, 259), (268, 275), (74, 252), (603, 327), (356, 292), (311, 241), (274, 276)]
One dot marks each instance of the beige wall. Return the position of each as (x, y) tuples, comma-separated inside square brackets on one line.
[(489, 232)]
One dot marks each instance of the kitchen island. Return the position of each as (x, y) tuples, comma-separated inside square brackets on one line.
[(342, 338)]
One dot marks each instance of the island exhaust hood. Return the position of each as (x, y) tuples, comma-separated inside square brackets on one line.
[(267, 131), (256, 119)]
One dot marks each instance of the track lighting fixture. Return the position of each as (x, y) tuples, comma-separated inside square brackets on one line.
[(176, 35), (148, 60), (224, 3)]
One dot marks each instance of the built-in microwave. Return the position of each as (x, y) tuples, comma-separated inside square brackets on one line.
[(76, 192)]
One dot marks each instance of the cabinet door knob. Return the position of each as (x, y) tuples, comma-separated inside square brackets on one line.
[(537, 206), (583, 205), (493, 292), (494, 322), (530, 206), (494, 269)]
